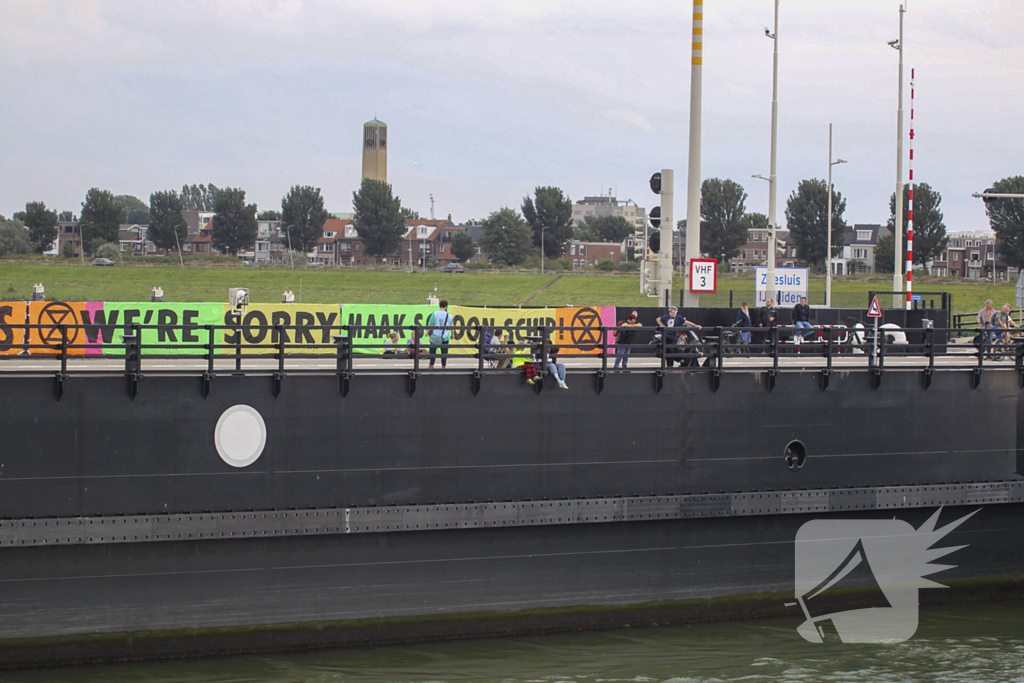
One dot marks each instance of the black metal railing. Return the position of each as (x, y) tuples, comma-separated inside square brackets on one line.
[(224, 349)]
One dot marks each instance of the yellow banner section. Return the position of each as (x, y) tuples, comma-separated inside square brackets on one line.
[(307, 328), (12, 338)]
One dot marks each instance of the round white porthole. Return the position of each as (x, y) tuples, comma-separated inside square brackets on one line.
[(240, 435)]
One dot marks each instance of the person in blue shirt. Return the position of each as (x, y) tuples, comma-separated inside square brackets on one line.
[(440, 334), (671, 325), (743, 320)]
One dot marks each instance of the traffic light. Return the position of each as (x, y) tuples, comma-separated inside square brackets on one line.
[(654, 240)]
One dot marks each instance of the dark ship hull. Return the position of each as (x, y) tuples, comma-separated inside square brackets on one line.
[(444, 506)]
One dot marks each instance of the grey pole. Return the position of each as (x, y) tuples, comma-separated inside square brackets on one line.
[(693, 168), (897, 273), (542, 249), (828, 230), (773, 179)]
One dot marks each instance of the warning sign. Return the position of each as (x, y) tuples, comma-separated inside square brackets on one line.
[(874, 311)]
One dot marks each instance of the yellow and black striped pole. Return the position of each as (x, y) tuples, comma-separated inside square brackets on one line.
[(693, 169)]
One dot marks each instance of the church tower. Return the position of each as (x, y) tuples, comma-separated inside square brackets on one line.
[(375, 150)]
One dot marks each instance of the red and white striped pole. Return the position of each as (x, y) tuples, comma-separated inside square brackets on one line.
[(910, 205)]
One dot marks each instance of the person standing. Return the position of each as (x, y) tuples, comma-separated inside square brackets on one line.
[(802, 316), (440, 334), (986, 320), (743, 320), (671, 325), (766, 320), (624, 338)]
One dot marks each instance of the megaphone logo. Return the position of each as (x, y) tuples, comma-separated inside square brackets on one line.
[(878, 562)]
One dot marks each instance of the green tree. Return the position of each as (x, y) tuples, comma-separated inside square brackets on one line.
[(234, 223), (67, 216), (722, 229), (884, 259), (462, 246), (378, 217), (302, 211), (604, 229), (507, 238), (1006, 216), (269, 215), (167, 227), (100, 219), (134, 211), (807, 220), (552, 210), (41, 224), (13, 237), (67, 251), (410, 214), (199, 197), (929, 230)]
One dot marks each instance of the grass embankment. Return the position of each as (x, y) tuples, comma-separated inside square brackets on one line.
[(72, 282)]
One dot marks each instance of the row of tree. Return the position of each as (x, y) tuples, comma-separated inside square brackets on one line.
[(509, 236)]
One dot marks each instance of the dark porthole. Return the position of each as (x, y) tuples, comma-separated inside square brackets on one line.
[(795, 455)]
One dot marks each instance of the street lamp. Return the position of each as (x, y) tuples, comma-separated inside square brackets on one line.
[(291, 254), (542, 249), (772, 173), (828, 230), (81, 241)]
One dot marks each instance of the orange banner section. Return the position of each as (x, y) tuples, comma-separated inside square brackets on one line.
[(12, 336), (45, 319)]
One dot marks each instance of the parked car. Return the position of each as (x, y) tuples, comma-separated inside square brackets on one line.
[(102, 262), (453, 268)]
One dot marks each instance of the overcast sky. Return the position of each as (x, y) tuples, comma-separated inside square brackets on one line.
[(486, 100)]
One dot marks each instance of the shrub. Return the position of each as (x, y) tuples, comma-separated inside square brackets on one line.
[(110, 251), (605, 265), (67, 251)]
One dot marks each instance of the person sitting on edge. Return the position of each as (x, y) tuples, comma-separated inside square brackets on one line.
[(743, 320), (556, 369), (391, 344), (671, 326), (802, 316)]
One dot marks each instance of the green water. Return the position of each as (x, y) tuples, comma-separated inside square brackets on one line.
[(972, 643)]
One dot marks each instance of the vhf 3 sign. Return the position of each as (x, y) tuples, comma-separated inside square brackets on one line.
[(703, 275)]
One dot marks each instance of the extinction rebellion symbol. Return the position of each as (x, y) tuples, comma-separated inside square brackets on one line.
[(589, 337), (51, 317)]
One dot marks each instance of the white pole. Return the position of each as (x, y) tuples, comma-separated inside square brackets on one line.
[(693, 167), (772, 172), (665, 251), (828, 230), (897, 273)]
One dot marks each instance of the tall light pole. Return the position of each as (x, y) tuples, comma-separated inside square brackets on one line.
[(542, 249), (773, 179), (897, 273), (291, 254), (828, 230), (81, 241), (692, 170)]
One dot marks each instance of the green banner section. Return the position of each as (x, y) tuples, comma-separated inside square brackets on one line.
[(380, 319), (105, 325)]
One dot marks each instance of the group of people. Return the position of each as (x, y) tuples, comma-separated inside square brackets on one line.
[(767, 317), (440, 323), (997, 326)]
